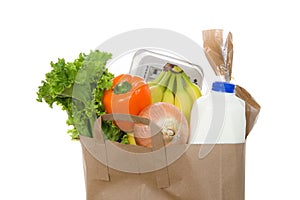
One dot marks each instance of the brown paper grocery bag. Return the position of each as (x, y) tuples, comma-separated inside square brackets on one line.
[(165, 173), (115, 171)]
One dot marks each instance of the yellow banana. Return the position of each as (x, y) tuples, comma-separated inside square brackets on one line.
[(157, 90), (169, 92), (192, 89), (131, 139), (182, 99)]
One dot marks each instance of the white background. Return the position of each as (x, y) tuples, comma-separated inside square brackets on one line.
[(38, 160)]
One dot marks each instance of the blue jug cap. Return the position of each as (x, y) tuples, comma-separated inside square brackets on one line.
[(220, 86)]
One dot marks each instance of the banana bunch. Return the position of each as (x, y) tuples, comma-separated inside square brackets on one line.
[(174, 86)]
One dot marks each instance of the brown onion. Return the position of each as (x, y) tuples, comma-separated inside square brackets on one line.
[(171, 121)]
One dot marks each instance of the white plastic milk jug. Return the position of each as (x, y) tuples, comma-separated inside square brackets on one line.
[(219, 117)]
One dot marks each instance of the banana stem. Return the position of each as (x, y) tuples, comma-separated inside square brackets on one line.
[(156, 81), (165, 79), (179, 86), (177, 70), (171, 83), (186, 79), (168, 67), (160, 76)]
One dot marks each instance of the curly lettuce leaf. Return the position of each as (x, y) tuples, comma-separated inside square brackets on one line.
[(78, 87)]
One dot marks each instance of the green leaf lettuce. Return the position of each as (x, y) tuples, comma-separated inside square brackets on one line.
[(78, 87)]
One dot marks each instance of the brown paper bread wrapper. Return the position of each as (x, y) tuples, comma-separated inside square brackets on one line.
[(219, 52)]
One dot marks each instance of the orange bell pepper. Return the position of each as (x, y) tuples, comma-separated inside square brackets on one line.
[(128, 95)]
